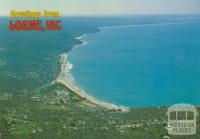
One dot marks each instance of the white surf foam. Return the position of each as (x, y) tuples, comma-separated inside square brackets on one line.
[(66, 66), (2, 49), (66, 78), (141, 25)]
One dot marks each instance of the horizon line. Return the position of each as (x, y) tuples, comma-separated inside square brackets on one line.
[(121, 15)]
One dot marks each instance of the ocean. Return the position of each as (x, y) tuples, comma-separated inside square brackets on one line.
[(142, 65), (153, 62)]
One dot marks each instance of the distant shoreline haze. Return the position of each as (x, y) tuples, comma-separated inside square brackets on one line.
[(105, 7)]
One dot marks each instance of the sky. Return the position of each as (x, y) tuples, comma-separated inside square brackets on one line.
[(103, 7)]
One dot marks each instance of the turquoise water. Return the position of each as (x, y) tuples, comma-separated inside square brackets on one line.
[(141, 65), (145, 65)]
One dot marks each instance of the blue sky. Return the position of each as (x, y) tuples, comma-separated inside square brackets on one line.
[(104, 7)]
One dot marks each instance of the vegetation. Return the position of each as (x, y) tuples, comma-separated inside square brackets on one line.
[(58, 114)]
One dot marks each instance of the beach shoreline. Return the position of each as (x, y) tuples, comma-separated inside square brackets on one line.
[(82, 94), (66, 79)]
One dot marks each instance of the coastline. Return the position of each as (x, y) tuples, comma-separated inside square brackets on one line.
[(91, 99), (66, 79)]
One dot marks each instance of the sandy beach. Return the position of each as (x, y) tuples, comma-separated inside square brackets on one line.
[(91, 99), (65, 75)]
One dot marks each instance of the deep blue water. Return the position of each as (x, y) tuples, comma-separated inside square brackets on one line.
[(147, 65)]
